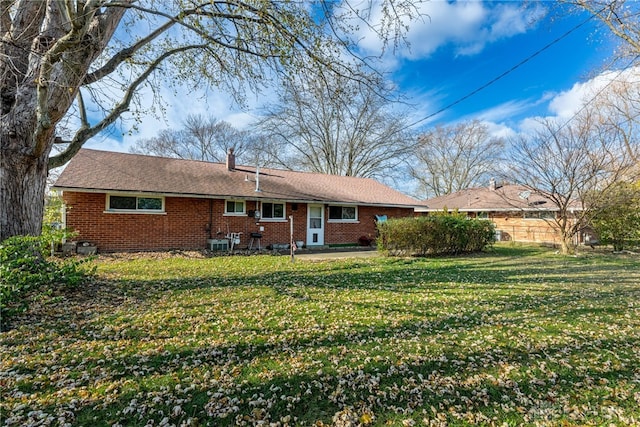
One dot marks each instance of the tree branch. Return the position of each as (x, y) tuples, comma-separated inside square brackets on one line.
[(5, 16), (84, 134), (59, 17), (125, 54), (179, 19)]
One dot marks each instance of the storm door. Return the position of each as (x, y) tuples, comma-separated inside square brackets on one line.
[(315, 225)]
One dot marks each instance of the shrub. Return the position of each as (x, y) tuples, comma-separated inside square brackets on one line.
[(25, 271), (434, 235), (52, 231), (616, 216)]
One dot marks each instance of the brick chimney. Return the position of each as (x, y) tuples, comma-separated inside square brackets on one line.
[(231, 160)]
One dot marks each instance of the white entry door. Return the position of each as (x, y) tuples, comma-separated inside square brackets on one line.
[(315, 225)]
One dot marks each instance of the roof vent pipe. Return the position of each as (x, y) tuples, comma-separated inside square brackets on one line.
[(231, 160), (258, 179), (492, 184)]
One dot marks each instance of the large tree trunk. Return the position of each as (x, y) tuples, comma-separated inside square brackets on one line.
[(23, 180), (567, 246), (46, 48)]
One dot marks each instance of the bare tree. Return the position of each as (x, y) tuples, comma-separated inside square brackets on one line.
[(86, 62), (452, 158), (206, 139), (619, 110), (338, 126), (621, 18), (570, 164)]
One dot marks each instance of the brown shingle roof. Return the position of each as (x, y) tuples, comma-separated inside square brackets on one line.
[(504, 198), (93, 170)]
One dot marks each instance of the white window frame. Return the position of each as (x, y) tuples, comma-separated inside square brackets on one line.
[(109, 209), (539, 215), (274, 219), (354, 220), (482, 215), (244, 207)]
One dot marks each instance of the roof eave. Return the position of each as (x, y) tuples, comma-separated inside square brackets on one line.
[(554, 209), (232, 196)]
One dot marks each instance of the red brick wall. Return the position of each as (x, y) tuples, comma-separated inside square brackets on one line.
[(280, 231), (339, 232), (184, 225)]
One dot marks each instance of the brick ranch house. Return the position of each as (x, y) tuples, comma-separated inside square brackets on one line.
[(519, 214), (130, 202)]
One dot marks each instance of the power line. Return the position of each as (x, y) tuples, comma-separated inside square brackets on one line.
[(504, 74)]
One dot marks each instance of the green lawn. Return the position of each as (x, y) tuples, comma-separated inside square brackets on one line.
[(518, 335)]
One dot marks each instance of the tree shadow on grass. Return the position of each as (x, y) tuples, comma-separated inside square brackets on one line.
[(431, 353), (482, 277), (473, 382), (386, 382), (397, 275)]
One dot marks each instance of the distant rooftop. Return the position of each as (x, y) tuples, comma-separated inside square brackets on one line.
[(493, 198)]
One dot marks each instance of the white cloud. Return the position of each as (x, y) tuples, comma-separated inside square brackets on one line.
[(497, 130), (504, 111), (564, 105), (529, 125), (561, 106), (466, 26), (568, 103), (241, 120), (423, 105), (445, 23)]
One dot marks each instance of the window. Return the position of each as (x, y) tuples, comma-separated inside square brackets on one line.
[(149, 204), (234, 207), (135, 203), (272, 210), (343, 213), (122, 203), (539, 215), (482, 215)]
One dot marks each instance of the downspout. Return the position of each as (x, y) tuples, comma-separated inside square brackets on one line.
[(210, 219), (63, 214)]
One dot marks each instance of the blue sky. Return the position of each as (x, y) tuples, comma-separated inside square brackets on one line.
[(457, 47), (456, 68)]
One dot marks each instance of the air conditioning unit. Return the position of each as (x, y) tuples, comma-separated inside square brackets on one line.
[(218, 244)]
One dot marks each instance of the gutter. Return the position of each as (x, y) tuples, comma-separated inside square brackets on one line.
[(231, 196)]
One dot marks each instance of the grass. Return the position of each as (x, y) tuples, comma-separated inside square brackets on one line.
[(516, 336)]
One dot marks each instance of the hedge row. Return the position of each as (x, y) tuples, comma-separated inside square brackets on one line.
[(434, 235)]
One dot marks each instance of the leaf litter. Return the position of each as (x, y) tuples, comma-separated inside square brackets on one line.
[(183, 340)]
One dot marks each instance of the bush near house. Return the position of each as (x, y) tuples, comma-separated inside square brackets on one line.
[(26, 271), (435, 235)]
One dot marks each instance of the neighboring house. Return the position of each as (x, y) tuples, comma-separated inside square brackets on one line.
[(129, 202), (518, 213)]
